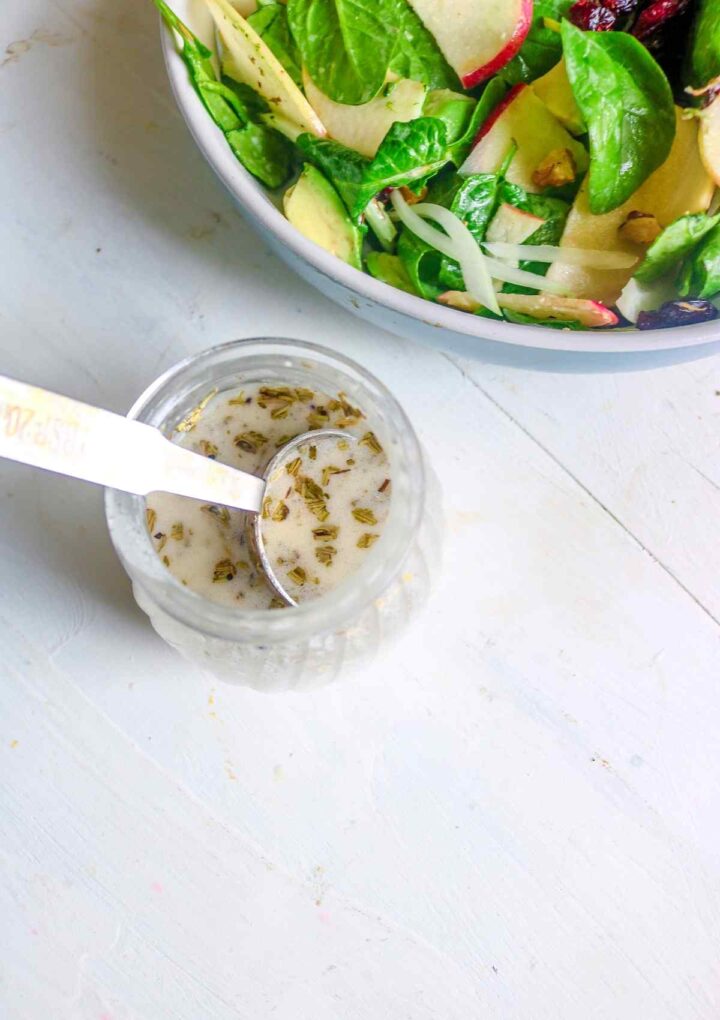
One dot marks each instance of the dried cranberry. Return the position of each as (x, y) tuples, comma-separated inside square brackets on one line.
[(678, 313), (652, 20), (599, 15), (592, 16)]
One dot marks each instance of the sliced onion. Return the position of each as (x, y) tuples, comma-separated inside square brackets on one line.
[(423, 230), (524, 278), (567, 256), (457, 243)]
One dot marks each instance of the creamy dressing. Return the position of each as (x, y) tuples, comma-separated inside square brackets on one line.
[(325, 506)]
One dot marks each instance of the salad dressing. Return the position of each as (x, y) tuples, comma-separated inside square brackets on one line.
[(324, 507)]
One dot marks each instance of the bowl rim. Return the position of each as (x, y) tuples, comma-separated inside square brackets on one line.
[(253, 197)]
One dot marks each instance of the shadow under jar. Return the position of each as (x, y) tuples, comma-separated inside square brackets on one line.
[(311, 644)]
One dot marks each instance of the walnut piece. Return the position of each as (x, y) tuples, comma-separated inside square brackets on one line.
[(640, 228), (410, 197), (556, 169)]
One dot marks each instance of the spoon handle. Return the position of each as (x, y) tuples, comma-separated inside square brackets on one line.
[(50, 431)]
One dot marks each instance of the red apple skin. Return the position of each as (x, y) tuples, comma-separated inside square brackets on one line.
[(512, 95), (507, 52), (605, 316)]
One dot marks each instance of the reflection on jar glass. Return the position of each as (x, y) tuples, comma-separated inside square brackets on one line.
[(311, 644)]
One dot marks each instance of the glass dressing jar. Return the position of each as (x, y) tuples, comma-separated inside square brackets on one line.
[(311, 644)]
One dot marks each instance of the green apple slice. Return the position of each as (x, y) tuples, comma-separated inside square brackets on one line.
[(523, 119), (710, 139), (555, 91), (363, 127), (255, 64), (512, 225)]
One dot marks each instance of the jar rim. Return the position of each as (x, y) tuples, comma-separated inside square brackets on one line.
[(125, 512)]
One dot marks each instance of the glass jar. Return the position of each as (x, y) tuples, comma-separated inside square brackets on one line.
[(311, 644)]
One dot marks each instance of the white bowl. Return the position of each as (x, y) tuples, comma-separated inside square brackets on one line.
[(392, 309)]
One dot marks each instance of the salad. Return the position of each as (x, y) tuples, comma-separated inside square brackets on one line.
[(553, 162)]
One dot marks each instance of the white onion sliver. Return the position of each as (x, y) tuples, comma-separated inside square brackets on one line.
[(474, 265), (422, 229), (567, 256), (524, 278)]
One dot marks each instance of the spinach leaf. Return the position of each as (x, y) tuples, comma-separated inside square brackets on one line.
[(422, 264), (345, 168), (703, 62), (390, 269), (676, 241), (250, 101), (346, 45), (271, 23), (262, 151), (542, 47), (454, 109), (626, 102), (408, 155), (475, 203), (443, 188), (416, 54), (700, 275), (493, 94)]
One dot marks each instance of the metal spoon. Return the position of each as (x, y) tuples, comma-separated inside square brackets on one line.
[(56, 433)]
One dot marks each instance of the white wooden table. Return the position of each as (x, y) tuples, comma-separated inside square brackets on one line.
[(515, 815)]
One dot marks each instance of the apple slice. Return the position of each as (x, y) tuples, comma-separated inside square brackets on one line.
[(363, 127), (256, 65), (524, 119), (245, 7), (512, 225), (681, 185), (549, 306), (476, 37), (539, 306), (710, 139), (644, 297), (555, 91)]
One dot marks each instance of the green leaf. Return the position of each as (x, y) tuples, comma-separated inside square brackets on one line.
[(700, 274), (422, 264), (416, 54), (626, 102), (674, 244), (408, 155), (346, 45), (475, 203), (264, 152), (250, 101), (542, 47), (390, 269), (454, 109), (190, 41), (704, 52), (271, 23), (493, 94)]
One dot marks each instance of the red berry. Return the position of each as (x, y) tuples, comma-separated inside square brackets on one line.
[(678, 313), (655, 15), (592, 16)]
